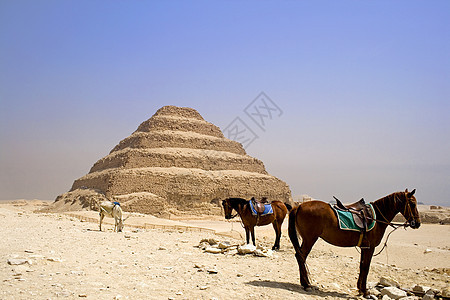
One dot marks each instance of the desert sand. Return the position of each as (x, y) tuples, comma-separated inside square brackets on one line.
[(62, 256)]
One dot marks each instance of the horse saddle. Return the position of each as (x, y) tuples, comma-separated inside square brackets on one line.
[(260, 207), (362, 213)]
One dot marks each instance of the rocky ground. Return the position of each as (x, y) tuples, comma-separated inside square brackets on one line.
[(47, 256)]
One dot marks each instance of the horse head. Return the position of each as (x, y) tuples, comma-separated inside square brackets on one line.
[(409, 210), (227, 208)]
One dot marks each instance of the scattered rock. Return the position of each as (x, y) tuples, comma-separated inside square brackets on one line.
[(446, 292), (263, 252), (212, 270), (393, 292), (203, 287), (246, 249), (421, 288), (388, 281), (429, 295), (18, 261), (199, 266), (54, 259), (213, 250), (224, 245), (427, 251), (203, 245), (162, 248)]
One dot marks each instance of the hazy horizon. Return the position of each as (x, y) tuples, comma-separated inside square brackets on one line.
[(361, 89)]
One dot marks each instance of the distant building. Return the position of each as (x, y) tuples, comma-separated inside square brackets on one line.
[(303, 198)]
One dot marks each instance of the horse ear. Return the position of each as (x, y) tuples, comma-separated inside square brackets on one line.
[(406, 191), (411, 193)]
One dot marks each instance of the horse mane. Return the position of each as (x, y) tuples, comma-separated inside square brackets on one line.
[(392, 202), (234, 202)]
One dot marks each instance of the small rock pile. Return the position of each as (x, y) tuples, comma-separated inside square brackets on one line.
[(388, 288), (224, 247)]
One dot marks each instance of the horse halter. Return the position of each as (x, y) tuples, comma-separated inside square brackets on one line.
[(231, 209), (407, 211)]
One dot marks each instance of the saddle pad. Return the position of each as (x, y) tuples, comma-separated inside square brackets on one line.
[(346, 221), (116, 203), (267, 209)]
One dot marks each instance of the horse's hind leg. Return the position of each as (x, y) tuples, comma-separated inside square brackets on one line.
[(277, 228), (301, 260)]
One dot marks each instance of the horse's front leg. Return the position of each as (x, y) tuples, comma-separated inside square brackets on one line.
[(247, 234), (364, 266), (101, 219), (252, 231)]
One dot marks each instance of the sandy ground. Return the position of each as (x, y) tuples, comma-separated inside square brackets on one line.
[(69, 258)]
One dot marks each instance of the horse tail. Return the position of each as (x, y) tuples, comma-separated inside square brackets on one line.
[(292, 230), (288, 206)]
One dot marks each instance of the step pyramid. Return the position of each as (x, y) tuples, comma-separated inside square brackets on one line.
[(177, 159)]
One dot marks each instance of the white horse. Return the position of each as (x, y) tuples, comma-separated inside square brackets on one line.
[(113, 210)]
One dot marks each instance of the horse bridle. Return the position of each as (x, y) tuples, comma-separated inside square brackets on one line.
[(397, 225), (231, 216)]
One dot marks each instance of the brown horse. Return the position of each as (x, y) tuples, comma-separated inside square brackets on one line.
[(316, 219), (242, 207)]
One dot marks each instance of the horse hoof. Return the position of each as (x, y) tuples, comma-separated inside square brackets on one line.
[(367, 296), (311, 288)]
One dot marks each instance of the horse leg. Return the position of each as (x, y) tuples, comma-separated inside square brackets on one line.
[(101, 219), (252, 231), (247, 234), (301, 260), (277, 229), (364, 266)]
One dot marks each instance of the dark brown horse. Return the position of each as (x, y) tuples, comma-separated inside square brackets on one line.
[(242, 207), (316, 219)]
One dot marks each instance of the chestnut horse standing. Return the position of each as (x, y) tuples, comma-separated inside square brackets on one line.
[(314, 219), (242, 207)]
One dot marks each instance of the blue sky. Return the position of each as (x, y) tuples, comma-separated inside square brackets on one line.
[(363, 87)]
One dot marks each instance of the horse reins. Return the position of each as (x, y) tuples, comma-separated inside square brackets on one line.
[(393, 225), (234, 216)]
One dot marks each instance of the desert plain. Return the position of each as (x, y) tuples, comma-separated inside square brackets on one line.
[(64, 255)]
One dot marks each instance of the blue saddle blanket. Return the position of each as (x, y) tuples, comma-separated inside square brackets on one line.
[(116, 203), (267, 209)]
